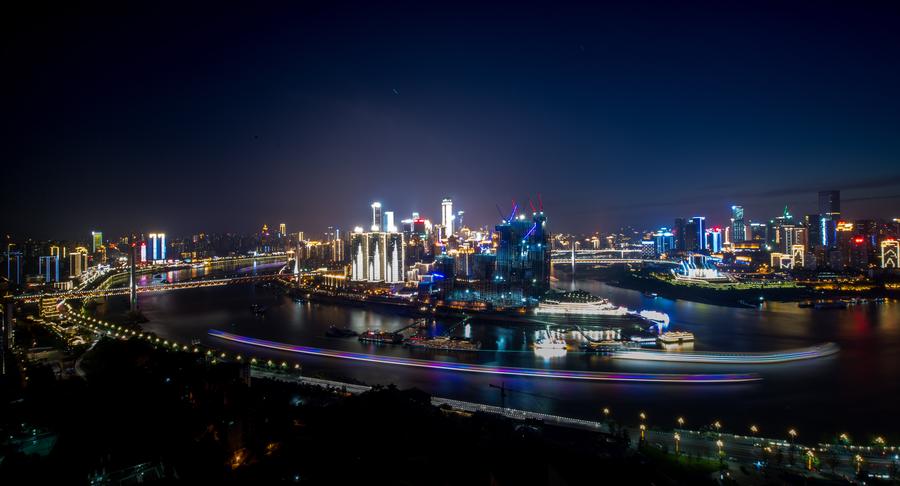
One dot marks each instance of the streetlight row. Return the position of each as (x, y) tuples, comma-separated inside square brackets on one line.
[(754, 430)]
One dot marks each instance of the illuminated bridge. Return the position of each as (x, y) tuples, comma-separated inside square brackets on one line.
[(601, 257), (78, 294)]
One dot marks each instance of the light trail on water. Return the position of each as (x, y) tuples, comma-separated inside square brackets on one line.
[(492, 370)]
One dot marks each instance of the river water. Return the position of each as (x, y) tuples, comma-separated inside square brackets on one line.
[(856, 391)]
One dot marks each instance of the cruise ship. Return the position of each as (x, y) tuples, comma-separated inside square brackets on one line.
[(579, 304)]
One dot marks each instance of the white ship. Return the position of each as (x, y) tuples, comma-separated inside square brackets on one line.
[(552, 343), (655, 316), (676, 337), (580, 304)]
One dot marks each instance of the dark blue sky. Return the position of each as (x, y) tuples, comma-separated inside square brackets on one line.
[(225, 118)]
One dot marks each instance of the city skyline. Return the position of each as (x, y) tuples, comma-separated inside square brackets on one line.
[(609, 119), (344, 242)]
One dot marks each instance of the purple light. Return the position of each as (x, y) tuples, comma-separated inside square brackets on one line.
[(494, 370)]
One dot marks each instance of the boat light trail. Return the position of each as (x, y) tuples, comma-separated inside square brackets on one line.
[(492, 370), (812, 352)]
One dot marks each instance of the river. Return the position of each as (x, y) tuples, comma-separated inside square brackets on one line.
[(856, 391)]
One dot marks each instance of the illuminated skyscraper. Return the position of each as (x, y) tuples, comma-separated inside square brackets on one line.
[(738, 229), (14, 267), (377, 256), (162, 246), (77, 264), (447, 217), (714, 239), (376, 216), (282, 230), (798, 254), (48, 267), (389, 222), (890, 254), (700, 227), (664, 241), (523, 255), (829, 212), (97, 241), (153, 245)]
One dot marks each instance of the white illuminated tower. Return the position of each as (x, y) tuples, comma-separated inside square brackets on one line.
[(153, 247), (162, 246), (376, 216), (389, 222), (890, 254), (447, 216)]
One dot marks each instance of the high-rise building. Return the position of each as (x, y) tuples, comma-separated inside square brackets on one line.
[(77, 264), (143, 252), (759, 232), (798, 254), (14, 267), (738, 229), (690, 235), (162, 246), (830, 213), (523, 255), (700, 228), (447, 217), (154, 246), (282, 230), (377, 256), (48, 267), (376, 216), (714, 239), (890, 254), (389, 222), (96, 240), (664, 241)]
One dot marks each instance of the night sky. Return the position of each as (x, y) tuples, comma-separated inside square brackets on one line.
[(225, 118)]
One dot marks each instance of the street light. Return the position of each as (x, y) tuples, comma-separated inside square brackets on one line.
[(677, 443), (844, 438), (809, 459), (680, 421), (605, 413), (859, 460), (643, 416), (643, 429), (753, 429), (793, 434), (718, 426), (720, 444), (880, 441)]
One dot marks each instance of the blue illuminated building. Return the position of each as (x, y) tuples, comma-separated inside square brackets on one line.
[(523, 254)]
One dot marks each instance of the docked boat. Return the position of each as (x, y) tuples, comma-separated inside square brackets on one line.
[(655, 317), (381, 337), (334, 331), (445, 343), (551, 343), (676, 337), (830, 304), (644, 339), (579, 303)]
